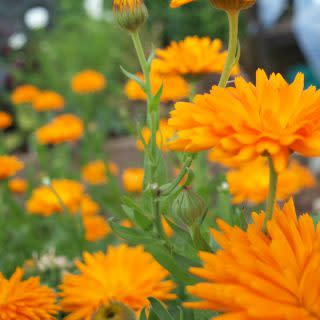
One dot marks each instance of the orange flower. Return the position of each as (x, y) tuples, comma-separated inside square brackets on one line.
[(64, 128), (242, 123), (251, 182), (163, 135), (233, 5), (259, 276), (5, 120), (18, 185), (88, 81), (132, 179), (166, 228), (96, 172), (174, 88), (179, 3), (48, 101), (24, 94), (47, 200), (191, 56), (88, 206), (123, 274), (96, 227), (26, 299), (9, 166)]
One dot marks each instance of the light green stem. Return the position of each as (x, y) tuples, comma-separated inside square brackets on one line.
[(273, 181), (233, 18)]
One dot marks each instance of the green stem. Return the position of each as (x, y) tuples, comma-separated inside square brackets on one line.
[(273, 180), (232, 48)]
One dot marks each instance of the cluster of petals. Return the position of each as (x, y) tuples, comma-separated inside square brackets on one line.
[(18, 185), (88, 81), (48, 101), (132, 180), (9, 166), (258, 275), (24, 94), (5, 120), (246, 121)]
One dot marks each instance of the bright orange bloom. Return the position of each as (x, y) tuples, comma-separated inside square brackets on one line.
[(24, 94), (132, 179), (18, 185), (179, 3), (233, 5), (124, 5), (123, 274), (163, 135), (251, 181), (96, 227), (47, 200), (48, 101), (242, 123), (262, 276), (26, 299), (9, 166), (88, 81), (5, 120), (174, 88), (64, 128), (191, 56), (88, 207)]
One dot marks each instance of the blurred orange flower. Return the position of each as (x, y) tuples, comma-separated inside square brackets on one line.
[(179, 3), (88, 81), (24, 94), (166, 228), (233, 5), (63, 128), (88, 206), (96, 227), (9, 166), (5, 120), (48, 101), (18, 185), (132, 179)]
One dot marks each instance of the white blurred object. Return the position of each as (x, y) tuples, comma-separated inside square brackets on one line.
[(17, 41), (271, 10), (94, 8), (314, 164), (316, 205), (37, 18)]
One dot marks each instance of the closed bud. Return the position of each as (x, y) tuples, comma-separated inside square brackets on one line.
[(188, 207), (232, 5), (130, 14), (114, 311)]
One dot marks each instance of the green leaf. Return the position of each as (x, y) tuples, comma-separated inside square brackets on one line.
[(159, 309), (140, 219), (133, 77), (143, 315)]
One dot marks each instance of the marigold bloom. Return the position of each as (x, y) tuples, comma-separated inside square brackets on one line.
[(95, 227), (251, 181), (191, 56), (18, 185), (64, 128), (48, 101), (47, 200), (174, 88), (9, 166), (88, 207), (123, 274), (242, 123), (132, 179), (88, 81), (24, 94), (26, 299), (259, 276), (5, 120), (164, 133), (96, 172), (233, 5), (179, 3)]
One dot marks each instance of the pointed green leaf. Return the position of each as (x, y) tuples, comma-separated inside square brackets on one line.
[(159, 309)]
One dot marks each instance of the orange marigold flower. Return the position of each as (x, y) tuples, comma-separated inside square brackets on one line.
[(48, 101), (63, 128), (126, 223), (9, 166), (18, 185), (263, 276), (88, 206), (88, 81), (47, 200), (191, 56), (233, 5), (5, 120), (24, 94), (164, 133), (179, 3), (96, 227), (117, 276), (132, 179), (251, 181), (26, 299), (174, 88), (242, 123)]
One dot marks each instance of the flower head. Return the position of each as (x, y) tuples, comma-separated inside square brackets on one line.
[(191, 56), (18, 185), (88, 81), (123, 274), (88, 207), (48, 101), (96, 172), (179, 3), (9, 166), (245, 122), (26, 299), (5, 120), (63, 128), (132, 179), (24, 94), (233, 5), (251, 181), (263, 276), (95, 227)]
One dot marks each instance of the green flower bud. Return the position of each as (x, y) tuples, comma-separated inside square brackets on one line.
[(114, 311)]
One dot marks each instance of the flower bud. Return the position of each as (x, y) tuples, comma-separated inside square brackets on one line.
[(114, 311), (130, 14), (233, 5), (188, 207)]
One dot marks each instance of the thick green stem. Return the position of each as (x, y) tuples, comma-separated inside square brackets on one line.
[(232, 48), (273, 181)]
